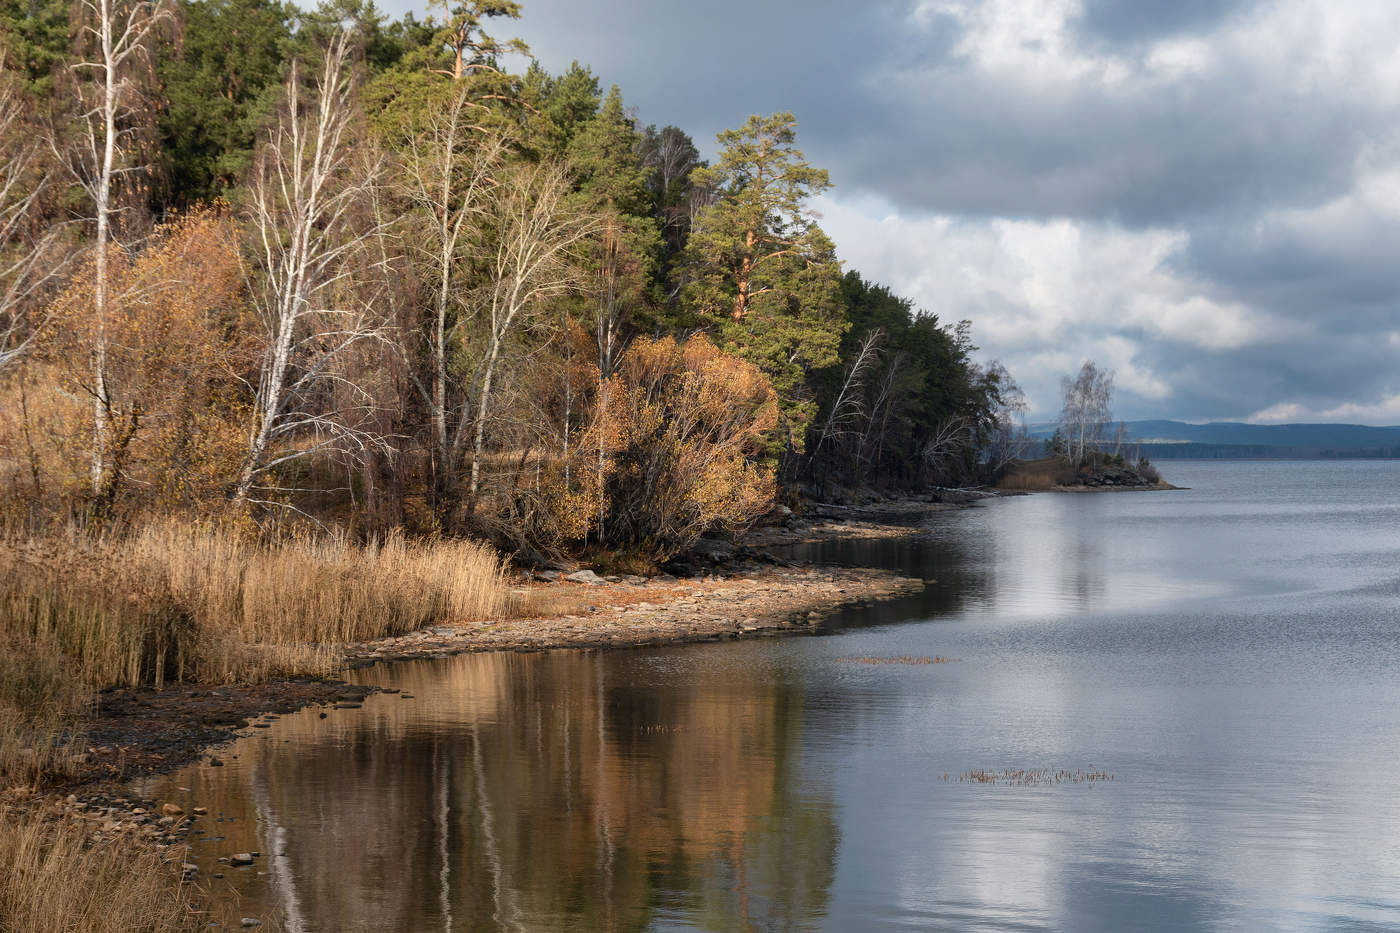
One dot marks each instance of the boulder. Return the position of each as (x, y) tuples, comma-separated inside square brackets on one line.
[(585, 576)]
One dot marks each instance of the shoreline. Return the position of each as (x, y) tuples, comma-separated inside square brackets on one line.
[(143, 732), (728, 595), (1163, 486), (139, 732)]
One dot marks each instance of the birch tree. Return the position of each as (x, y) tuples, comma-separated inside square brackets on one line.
[(1086, 410), (1007, 440), (119, 31), (446, 169), (536, 234), (307, 196), (849, 406), (28, 264)]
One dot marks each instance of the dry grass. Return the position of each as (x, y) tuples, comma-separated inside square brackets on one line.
[(53, 880), (41, 706), (1037, 476), (176, 604), (171, 604)]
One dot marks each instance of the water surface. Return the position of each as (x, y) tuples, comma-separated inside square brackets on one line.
[(1228, 653)]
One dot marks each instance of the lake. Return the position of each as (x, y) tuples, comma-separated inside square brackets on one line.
[(1183, 708)]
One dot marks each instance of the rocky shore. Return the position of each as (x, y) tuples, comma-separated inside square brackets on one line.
[(137, 732), (603, 614)]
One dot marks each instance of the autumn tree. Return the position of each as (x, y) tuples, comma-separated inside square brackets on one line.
[(173, 400), (116, 35), (308, 219), (687, 429), (759, 270)]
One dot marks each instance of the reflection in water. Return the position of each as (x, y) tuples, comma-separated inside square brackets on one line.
[(529, 791), (1227, 653)]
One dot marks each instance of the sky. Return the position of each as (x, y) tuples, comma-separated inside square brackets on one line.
[(1202, 195)]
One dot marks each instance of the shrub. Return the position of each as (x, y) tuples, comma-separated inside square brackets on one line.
[(690, 423), (681, 426)]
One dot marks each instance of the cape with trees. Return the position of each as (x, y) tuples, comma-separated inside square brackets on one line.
[(357, 272)]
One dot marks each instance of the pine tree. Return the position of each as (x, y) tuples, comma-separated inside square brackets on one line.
[(759, 270), (220, 84)]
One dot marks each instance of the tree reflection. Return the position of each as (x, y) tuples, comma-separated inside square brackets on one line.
[(541, 791)]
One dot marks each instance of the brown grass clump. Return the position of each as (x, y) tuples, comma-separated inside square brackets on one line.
[(1037, 475), (175, 604), (41, 705), (265, 606), (54, 880), (179, 604)]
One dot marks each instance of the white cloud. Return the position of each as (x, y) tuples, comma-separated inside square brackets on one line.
[(1385, 410), (1045, 295)]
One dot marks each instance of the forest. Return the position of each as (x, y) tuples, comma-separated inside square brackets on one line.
[(334, 271), (313, 322)]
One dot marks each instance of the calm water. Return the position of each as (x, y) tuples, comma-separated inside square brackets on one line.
[(1229, 654)]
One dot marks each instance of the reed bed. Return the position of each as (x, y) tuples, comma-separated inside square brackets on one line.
[(41, 708), (1037, 476), (55, 880), (171, 603)]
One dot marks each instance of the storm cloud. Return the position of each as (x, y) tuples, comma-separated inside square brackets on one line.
[(1203, 194)]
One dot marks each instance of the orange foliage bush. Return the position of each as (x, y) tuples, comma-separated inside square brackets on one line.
[(175, 352), (668, 448), (683, 424)]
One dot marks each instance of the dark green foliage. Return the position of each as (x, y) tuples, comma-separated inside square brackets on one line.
[(563, 105), (918, 410), (220, 82), (34, 41), (759, 271)]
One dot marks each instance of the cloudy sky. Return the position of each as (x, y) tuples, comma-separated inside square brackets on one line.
[(1203, 195)]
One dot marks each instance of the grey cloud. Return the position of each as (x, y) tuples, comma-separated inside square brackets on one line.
[(1130, 21), (894, 110), (1349, 276), (1222, 143)]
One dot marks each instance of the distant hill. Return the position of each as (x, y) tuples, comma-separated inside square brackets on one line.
[(1235, 440)]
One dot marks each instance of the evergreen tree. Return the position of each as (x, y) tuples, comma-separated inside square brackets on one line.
[(220, 85), (621, 262), (562, 105), (759, 270), (34, 41)]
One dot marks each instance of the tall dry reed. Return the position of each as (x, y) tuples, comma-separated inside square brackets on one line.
[(54, 880), (177, 603)]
